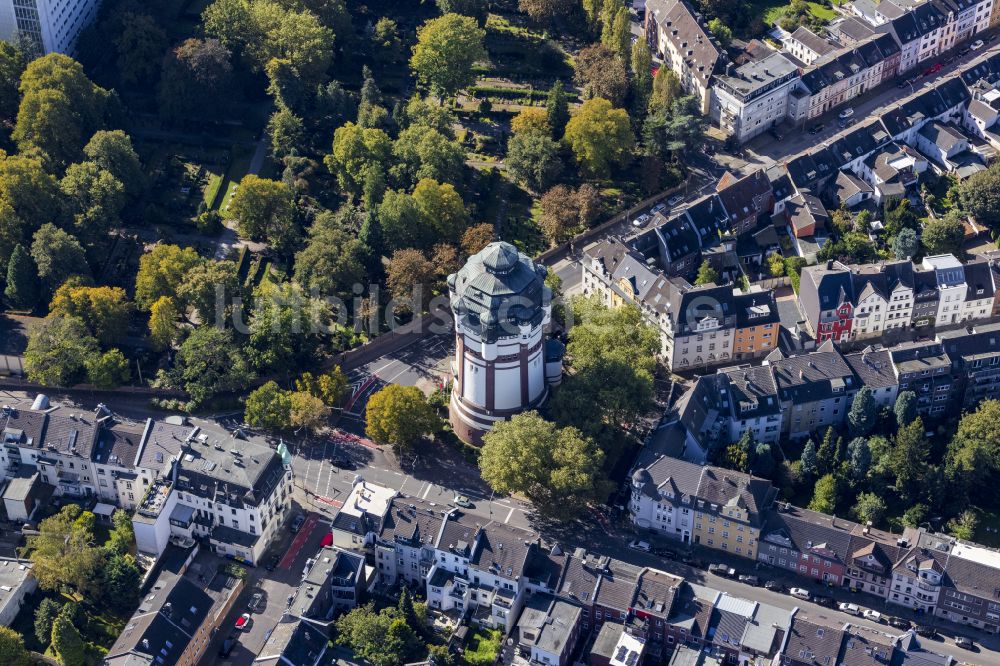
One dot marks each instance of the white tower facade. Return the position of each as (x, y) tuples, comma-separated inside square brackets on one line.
[(52, 25), (501, 307)]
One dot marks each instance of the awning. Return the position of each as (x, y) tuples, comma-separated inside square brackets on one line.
[(102, 509), (182, 514)]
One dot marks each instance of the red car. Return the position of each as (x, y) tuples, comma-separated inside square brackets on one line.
[(933, 69), (243, 623)]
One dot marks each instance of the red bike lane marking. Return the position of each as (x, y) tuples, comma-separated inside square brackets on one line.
[(299, 541)]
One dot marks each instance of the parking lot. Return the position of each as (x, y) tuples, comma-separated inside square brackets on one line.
[(274, 586)]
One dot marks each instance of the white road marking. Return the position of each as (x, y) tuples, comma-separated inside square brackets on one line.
[(427, 492), (511, 513)]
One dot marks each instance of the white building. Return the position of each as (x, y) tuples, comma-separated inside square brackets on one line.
[(951, 285), (501, 307), (16, 582), (361, 517), (753, 98), (53, 25)]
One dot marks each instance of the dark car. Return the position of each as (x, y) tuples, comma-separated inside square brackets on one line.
[(816, 129), (343, 463), (965, 643), (227, 647), (297, 523), (927, 631), (255, 601), (273, 563), (823, 601), (774, 586), (749, 580), (900, 623), (664, 553)]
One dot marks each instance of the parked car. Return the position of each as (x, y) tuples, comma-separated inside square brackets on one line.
[(227, 647), (749, 580), (774, 586), (872, 615), (639, 545), (343, 462), (964, 642), (846, 113), (850, 609), (674, 200), (243, 623), (816, 129), (964, 52), (664, 553), (799, 592), (297, 523), (775, 133), (933, 69), (721, 570), (255, 601), (976, 45), (927, 631), (272, 564), (463, 501), (821, 600), (900, 623), (658, 207), (641, 220)]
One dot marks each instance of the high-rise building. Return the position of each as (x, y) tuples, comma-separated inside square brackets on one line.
[(503, 363), (52, 25)]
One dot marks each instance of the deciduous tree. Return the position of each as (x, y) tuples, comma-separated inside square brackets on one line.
[(400, 416), (58, 256), (824, 498), (265, 211), (285, 326), (980, 196), (58, 349), (162, 270), (122, 582), (62, 555), (307, 411), (209, 287), (268, 407), (544, 11), (906, 245), (140, 45), (905, 408), (355, 150), (601, 72), (197, 76), (12, 64), (706, 274), (330, 387), (533, 159), (163, 316), (600, 137), (944, 235), (446, 49), (67, 642), (421, 152), (209, 362), (442, 209), (104, 310), (869, 507)]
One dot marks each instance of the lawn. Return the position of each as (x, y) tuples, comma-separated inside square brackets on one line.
[(482, 647), (237, 169), (771, 11)]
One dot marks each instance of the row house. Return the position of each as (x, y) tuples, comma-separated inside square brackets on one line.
[(826, 295), (752, 397), (701, 326), (883, 297), (406, 541), (975, 358), (692, 503), (547, 630), (923, 369), (815, 390), (971, 593), (805, 45), (678, 36)]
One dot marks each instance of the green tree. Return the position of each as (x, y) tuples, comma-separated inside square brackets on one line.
[(909, 459), (533, 159), (330, 387), (739, 453), (824, 498), (163, 316), (600, 72), (425, 152), (442, 209), (285, 326), (95, 199), (67, 643), (558, 469), (600, 137), (809, 459), (62, 555), (826, 453), (58, 256), (763, 460), (265, 211), (141, 45), (544, 11), (307, 411), (12, 64), (973, 457), (57, 351), (944, 235), (356, 150), (869, 507), (45, 615), (720, 31), (332, 261), (197, 76), (905, 408), (557, 109), (666, 90), (385, 39), (964, 525), (383, 639), (286, 132), (104, 310), (859, 459), (906, 244), (122, 581), (706, 274), (477, 9), (642, 74), (121, 539), (775, 264), (914, 516), (108, 370), (209, 362), (445, 51), (209, 287), (400, 416), (979, 194), (29, 197), (863, 413), (22, 280), (162, 270), (12, 650), (617, 35), (269, 407), (112, 151)]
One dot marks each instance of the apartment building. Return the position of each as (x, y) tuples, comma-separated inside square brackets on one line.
[(826, 295), (700, 326), (51, 25), (752, 98), (715, 507), (815, 390), (753, 404), (406, 541)]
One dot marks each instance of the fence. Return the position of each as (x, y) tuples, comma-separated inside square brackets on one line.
[(773, 283)]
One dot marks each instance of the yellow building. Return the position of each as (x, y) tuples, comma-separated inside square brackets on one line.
[(757, 325)]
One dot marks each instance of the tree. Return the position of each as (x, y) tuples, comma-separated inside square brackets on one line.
[(533, 159), (121, 540), (964, 525), (12, 64), (763, 460), (58, 256), (720, 31), (307, 411), (29, 197), (333, 260), (385, 38), (775, 264), (45, 615), (264, 211), (268, 407), (600, 137), (197, 75), (61, 554), (859, 459), (557, 109), (616, 34), (559, 214), (824, 498), (979, 194), (601, 72), (909, 459), (67, 643), (356, 150), (476, 237), (57, 351), (973, 457), (104, 310), (445, 51), (738, 453), (163, 316), (914, 516), (22, 280), (140, 44), (642, 74), (869, 508), (809, 459), (544, 11), (162, 270), (207, 363), (944, 235), (285, 326), (330, 387), (666, 90), (477, 9), (400, 416), (108, 370), (12, 650), (905, 408), (383, 639), (208, 287), (112, 151), (286, 131), (864, 412), (441, 208), (558, 469), (122, 581), (95, 200), (426, 152), (706, 274), (826, 453), (906, 245)]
